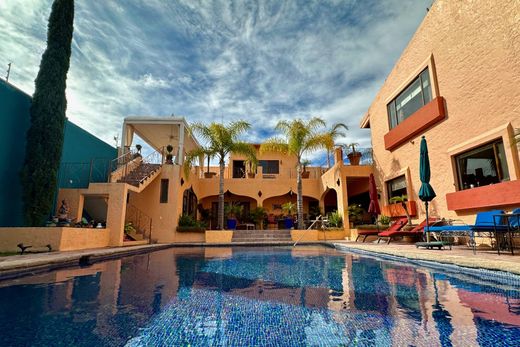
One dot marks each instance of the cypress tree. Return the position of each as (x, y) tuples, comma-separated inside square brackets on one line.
[(45, 135)]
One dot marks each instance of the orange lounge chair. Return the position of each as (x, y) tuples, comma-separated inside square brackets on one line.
[(415, 232), (398, 224)]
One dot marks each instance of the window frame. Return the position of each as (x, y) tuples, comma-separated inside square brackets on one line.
[(393, 120), (163, 190), (497, 162), (269, 172), (388, 186)]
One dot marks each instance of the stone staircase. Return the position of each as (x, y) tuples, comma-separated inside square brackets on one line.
[(140, 174), (282, 235)]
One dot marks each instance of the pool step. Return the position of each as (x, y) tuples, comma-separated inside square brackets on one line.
[(261, 235)]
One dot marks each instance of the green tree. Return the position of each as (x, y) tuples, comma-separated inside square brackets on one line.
[(221, 141), (333, 133), (46, 133), (299, 137)]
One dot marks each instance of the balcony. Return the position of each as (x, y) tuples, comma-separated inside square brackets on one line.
[(311, 173), (428, 115), (490, 196)]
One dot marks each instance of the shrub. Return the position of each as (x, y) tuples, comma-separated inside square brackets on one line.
[(384, 220), (335, 219)]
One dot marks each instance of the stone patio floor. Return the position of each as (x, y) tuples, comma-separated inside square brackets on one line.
[(458, 255)]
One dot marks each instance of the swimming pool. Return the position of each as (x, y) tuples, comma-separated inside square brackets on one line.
[(252, 296)]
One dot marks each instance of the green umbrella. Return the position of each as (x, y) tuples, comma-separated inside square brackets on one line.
[(426, 193)]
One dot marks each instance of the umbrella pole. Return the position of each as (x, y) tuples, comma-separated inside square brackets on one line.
[(427, 226)]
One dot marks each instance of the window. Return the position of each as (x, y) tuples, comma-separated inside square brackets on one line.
[(269, 166), (396, 187), (164, 191), (415, 96), (482, 166)]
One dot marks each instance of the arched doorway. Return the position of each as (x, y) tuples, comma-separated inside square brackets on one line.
[(189, 203), (330, 201)]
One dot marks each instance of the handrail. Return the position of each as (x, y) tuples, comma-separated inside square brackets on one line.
[(141, 221), (318, 219)]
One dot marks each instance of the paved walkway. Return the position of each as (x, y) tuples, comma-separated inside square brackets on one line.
[(459, 255)]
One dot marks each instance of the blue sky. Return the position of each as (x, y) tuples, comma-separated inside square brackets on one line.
[(261, 61)]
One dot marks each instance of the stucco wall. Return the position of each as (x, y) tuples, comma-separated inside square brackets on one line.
[(473, 51), (60, 239)]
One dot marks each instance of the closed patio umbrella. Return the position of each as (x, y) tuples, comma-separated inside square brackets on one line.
[(426, 193), (373, 208)]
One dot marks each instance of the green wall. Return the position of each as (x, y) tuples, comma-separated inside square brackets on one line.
[(85, 158)]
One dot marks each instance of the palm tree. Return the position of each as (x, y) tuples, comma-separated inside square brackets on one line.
[(334, 132), (221, 141), (299, 137)]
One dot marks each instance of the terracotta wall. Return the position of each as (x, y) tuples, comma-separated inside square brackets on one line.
[(60, 239), (472, 50)]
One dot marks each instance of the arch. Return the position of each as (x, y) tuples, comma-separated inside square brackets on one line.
[(208, 206), (329, 200)]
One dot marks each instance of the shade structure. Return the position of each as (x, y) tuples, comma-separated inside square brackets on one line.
[(426, 193)]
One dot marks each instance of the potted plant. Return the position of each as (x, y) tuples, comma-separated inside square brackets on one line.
[(305, 173), (138, 147), (169, 154), (251, 168), (355, 212), (188, 224), (258, 215), (354, 157), (288, 210), (402, 199), (233, 210), (335, 220)]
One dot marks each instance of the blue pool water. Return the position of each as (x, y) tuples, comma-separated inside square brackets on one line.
[(306, 296)]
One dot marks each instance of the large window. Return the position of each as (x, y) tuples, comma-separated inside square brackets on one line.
[(415, 96), (269, 166), (396, 187), (482, 166)]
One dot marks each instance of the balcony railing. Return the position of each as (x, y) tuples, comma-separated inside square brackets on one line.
[(366, 156), (311, 173)]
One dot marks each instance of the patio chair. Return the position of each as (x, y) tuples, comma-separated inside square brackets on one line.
[(396, 226), (415, 232), (484, 222)]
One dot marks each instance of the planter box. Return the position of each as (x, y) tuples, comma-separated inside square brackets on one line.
[(397, 210), (485, 197), (219, 236), (304, 235), (191, 229)]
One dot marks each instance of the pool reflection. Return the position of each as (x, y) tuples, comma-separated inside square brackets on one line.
[(256, 296)]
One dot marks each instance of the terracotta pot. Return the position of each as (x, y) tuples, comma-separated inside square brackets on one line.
[(209, 174), (354, 158), (305, 174)]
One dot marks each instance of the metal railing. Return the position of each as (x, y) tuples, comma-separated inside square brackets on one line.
[(319, 219), (311, 173), (141, 222), (81, 174), (367, 157)]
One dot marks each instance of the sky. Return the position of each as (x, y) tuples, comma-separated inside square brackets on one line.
[(260, 61)]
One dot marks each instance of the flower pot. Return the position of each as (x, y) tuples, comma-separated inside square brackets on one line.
[(209, 174), (354, 158), (305, 174), (232, 224), (250, 175), (288, 222)]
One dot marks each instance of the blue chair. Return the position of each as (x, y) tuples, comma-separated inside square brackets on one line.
[(485, 222)]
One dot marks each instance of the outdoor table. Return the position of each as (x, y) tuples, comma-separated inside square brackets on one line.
[(505, 229)]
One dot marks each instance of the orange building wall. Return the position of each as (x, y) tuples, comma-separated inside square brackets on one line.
[(472, 49)]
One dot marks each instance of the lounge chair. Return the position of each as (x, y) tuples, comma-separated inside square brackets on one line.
[(398, 224), (415, 232), (485, 222)]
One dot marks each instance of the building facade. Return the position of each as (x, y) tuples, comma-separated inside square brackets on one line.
[(457, 84)]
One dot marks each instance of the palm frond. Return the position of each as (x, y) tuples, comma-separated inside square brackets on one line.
[(274, 144), (191, 156), (316, 142), (315, 123)]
